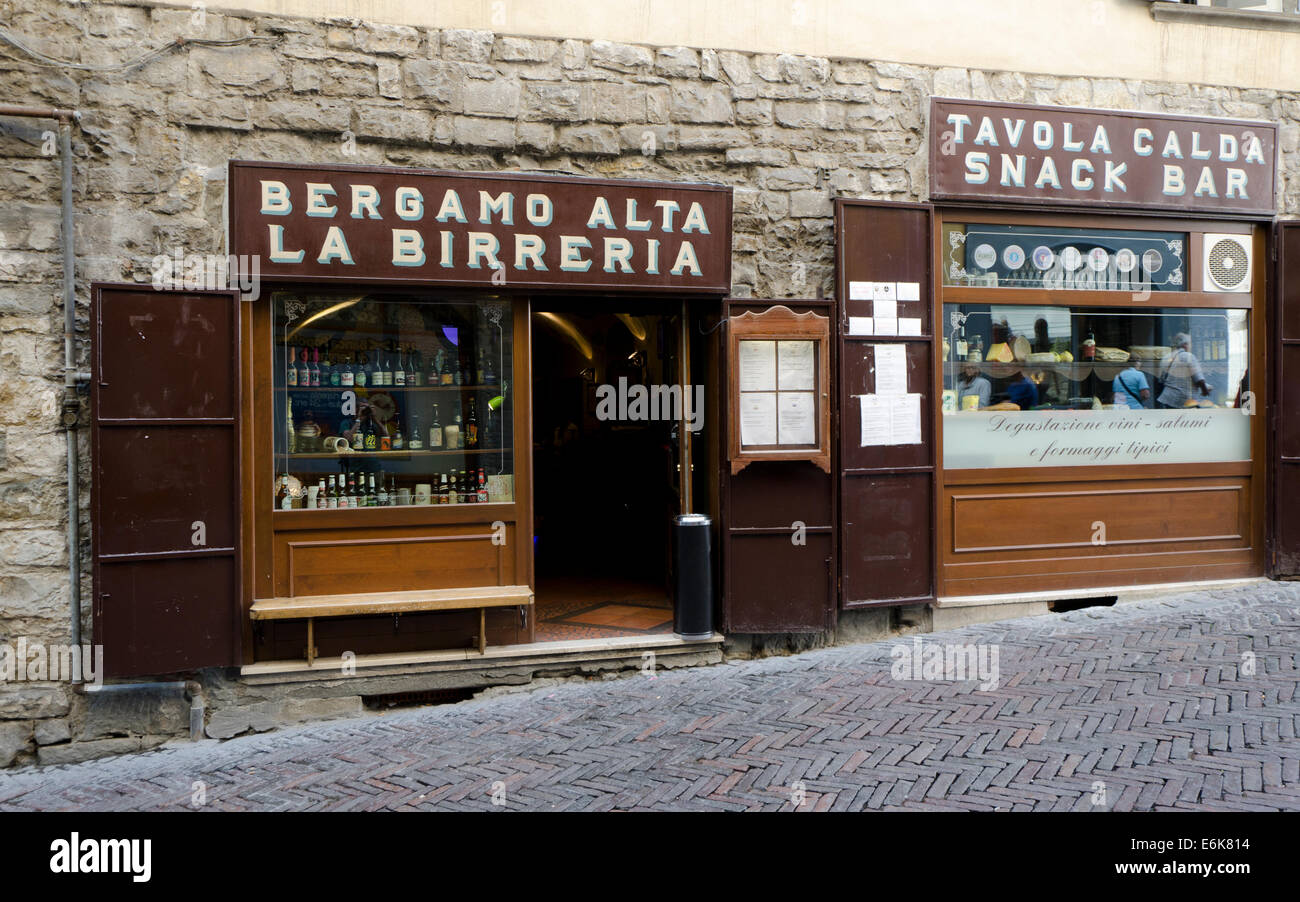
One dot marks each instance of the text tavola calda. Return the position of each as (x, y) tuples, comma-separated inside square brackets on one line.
[(449, 238)]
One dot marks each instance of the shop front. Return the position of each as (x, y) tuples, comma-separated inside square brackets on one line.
[(1098, 405), (428, 436)]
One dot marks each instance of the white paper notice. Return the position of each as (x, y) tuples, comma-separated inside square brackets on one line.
[(886, 326), (886, 308), (905, 419), (757, 366), (861, 291), (796, 366), (758, 418), (891, 369), (885, 291), (909, 325), (890, 419), (861, 325), (795, 413), (875, 421), (909, 291)]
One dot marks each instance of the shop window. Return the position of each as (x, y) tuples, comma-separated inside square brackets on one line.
[(1014, 256), (391, 400), (1030, 386)]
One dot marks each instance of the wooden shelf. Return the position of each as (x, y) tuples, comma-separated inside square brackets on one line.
[(367, 388), (388, 455)]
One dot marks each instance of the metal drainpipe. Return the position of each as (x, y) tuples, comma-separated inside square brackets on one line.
[(71, 405)]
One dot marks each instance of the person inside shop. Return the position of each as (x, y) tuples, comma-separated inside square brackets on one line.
[(973, 384), (1182, 375), (1131, 388), (1042, 340), (1022, 392)]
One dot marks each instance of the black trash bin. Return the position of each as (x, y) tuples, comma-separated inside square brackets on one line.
[(693, 576)]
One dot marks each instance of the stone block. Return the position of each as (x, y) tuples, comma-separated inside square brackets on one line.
[(492, 98), (538, 137), (952, 618), (554, 102), (526, 50), (736, 67), (700, 103), (32, 702), (49, 732), (573, 54), (76, 752), (754, 112), (619, 57), (146, 710), (493, 134), (392, 40), (810, 203), (950, 82), (15, 737), (613, 102), (802, 114), (390, 78), (589, 139), (305, 114), (467, 44), (262, 716), (393, 123), (706, 137), (435, 81), (677, 62)]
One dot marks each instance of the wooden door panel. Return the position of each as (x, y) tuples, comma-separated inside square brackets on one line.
[(166, 490)]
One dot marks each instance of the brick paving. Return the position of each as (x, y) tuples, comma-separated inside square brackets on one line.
[(1145, 706)]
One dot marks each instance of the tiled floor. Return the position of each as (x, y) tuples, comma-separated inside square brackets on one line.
[(600, 609)]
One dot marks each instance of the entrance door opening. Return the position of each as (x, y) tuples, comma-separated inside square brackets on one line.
[(605, 471)]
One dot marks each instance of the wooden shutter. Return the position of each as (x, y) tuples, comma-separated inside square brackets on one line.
[(886, 503), (1285, 556), (166, 485)]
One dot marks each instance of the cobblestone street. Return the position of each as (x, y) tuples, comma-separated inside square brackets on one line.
[(1151, 705)]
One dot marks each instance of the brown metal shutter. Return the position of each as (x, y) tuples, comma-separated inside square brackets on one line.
[(166, 486), (887, 493), (1285, 557)]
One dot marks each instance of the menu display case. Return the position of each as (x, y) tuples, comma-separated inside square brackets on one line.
[(390, 401)]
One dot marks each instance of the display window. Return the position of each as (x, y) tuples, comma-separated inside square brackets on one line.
[(1032, 386), (391, 400)]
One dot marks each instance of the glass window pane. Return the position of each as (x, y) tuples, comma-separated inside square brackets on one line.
[(384, 401), (1028, 386)]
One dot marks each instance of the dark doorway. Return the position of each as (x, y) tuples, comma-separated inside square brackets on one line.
[(605, 469)]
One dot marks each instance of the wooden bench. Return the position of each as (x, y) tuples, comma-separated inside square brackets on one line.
[(309, 607)]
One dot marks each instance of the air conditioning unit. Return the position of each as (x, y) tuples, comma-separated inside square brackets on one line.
[(1227, 263)]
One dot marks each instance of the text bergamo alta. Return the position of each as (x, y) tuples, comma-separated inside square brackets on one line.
[(1012, 169), (483, 250)]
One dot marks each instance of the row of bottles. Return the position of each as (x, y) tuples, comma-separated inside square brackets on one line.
[(365, 433), (350, 490), (399, 368)]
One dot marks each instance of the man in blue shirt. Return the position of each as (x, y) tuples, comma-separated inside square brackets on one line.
[(1131, 388), (1022, 392)]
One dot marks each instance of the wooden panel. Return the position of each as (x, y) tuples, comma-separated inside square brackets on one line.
[(382, 561), (1285, 463), (770, 582), (882, 516), (165, 462), (886, 493), (778, 586), (1095, 517), (858, 377)]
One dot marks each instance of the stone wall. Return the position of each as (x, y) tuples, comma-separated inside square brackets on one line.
[(787, 132)]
